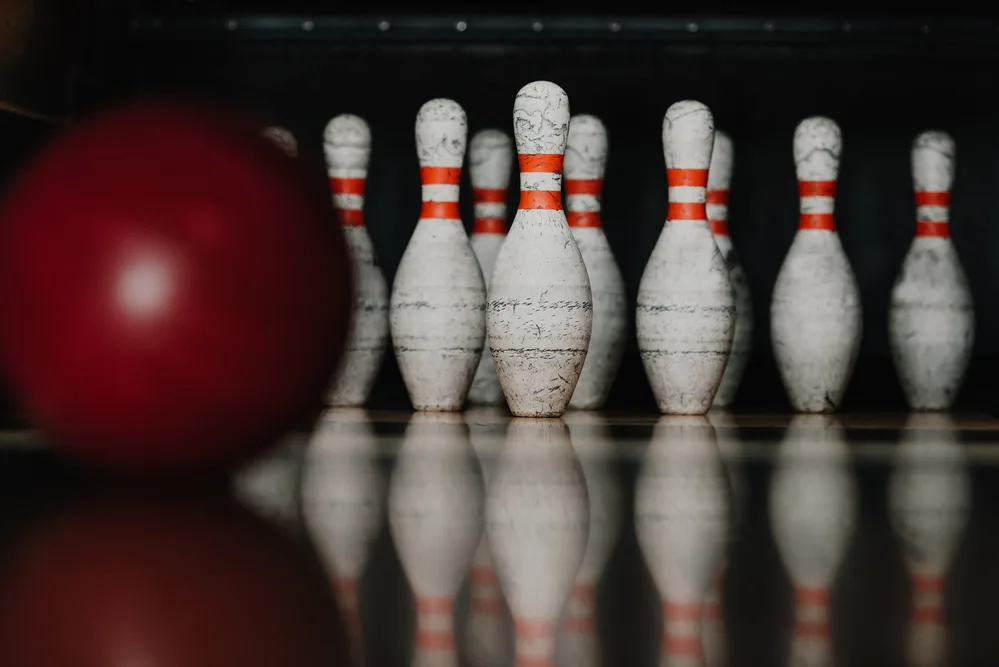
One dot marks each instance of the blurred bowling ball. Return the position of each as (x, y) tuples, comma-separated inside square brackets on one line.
[(174, 290), (160, 583)]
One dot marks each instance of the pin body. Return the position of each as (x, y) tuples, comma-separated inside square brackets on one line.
[(931, 318), (436, 313), (685, 316), (343, 505), (815, 314), (490, 157), (719, 179), (347, 147), (540, 310), (585, 163), (537, 516)]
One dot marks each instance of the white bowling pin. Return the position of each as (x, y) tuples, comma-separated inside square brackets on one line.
[(490, 158), (579, 641), (283, 138), (929, 494), (540, 309), (813, 509), (489, 629), (269, 484), (931, 318), (681, 521), (585, 163), (685, 316), (347, 147), (343, 504), (719, 178), (435, 508), (436, 313), (815, 316), (537, 520)]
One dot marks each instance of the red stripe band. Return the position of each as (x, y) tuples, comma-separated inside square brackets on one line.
[(679, 178), (932, 199), (543, 200), (350, 217), (718, 197), (440, 210), (541, 163), (582, 186), (719, 227), (347, 186), (489, 195), (679, 645), (682, 210), (817, 221), (583, 218), (816, 188), (440, 175), (489, 226)]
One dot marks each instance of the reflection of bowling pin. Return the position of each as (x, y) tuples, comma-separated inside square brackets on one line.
[(437, 308), (489, 629), (685, 316), (540, 308), (812, 514), (713, 632), (719, 178), (490, 156), (347, 145), (270, 483), (931, 319), (815, 314), (537, 516), (283, 139), (585, 162), (579, 641), (681, 520), (342, 504), (928, 498), (435, 514)]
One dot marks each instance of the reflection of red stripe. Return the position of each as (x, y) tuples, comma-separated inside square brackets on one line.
[(932, 199), (718, 197), (583, 218), (678, 178), (544, 200), (440, 175), (440, 210), (583, 186), (350, 217), (817, 188), (682, 210), (347, 186), (817, 221), (719, 227), (541, 163), (489, 195)]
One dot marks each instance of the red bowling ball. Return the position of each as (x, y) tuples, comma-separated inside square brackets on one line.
[(174, 291)]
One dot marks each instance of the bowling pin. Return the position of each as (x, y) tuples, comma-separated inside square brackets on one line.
[(343, 504), (685, 316), (681, 521), (490, 157), (347, 147), (719, 178), (435, 507), (585, 162), (489, 629), (540, 308), (283, 139), (931, 318), (537, 522), (813, 510), (815, 314), (270, 484), (579, 640), (437, 308), (929, 494)]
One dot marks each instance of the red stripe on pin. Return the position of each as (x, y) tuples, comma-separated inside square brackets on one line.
[(541, 163), (440, 210), (927, 228), (582, 186), (440, 175), (540, 200), (350, 217), (817, 221), (816, 188), (347, 186), (932, 199), (682, 210), (687, 178), (583, 218), (719, 227), (719, 197), (489, 195)]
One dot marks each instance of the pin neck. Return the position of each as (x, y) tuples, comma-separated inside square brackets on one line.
[(811, 613), (485, 596), (932, 214), (817, 203), (435, 624), (682, 633), (687, 194), (541, 182), (440, 193), (348, 200), (927, 599), (535, 643), (717, 207), (490, 210), (583, 201), (581, 609)]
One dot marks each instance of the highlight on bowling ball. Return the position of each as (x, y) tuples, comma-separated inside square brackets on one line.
[(175, 293), (130, 579)]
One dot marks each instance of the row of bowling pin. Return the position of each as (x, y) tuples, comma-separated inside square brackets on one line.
[(560, 347), (551, 507)]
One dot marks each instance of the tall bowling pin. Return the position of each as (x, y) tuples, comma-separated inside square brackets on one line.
[(929, 494), (685, 316), (436, 313), (681, 521), (435, 509), (815, 314), (813, 507), (537, 516), (490, 157), (347, 146), (931, 319), (540, 308), (719, 178), (343, 503), (585, 162)]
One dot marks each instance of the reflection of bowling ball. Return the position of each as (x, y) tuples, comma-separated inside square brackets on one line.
[(174, 290), (125, 582)]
